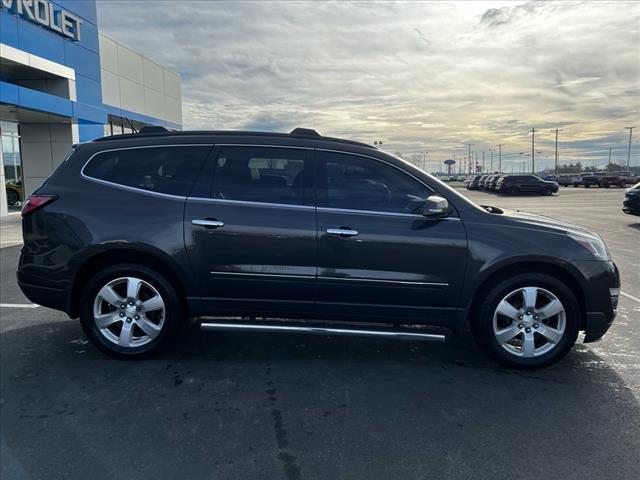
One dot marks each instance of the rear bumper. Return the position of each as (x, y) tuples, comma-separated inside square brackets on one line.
[(46, 296)]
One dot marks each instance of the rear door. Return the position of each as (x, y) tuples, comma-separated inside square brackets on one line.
[(377, 258), (252, 239)]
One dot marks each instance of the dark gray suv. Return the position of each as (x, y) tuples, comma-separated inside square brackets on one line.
[(135, 234)]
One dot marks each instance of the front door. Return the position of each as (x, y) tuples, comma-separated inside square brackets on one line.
[(252, 241), (377, 257)]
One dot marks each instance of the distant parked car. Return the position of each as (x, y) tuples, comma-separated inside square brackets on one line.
[(490, 184), (631, 204), (565, 180), (15, 193), (473, 183), (515, 184), (612, 179), (576, 180), (483, 181), (629, 178), (591, 179)]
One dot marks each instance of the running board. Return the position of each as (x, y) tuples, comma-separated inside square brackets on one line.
[(396, 334)]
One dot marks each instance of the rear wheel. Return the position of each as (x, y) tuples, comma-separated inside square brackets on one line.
[(528, 321), (12, 197), (129, 311)]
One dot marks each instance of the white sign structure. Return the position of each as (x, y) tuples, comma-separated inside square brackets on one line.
[(46, 14)]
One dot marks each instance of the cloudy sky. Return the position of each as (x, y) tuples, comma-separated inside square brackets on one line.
[(419, 76)]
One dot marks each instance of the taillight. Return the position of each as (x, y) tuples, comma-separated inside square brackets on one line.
[(35, 202)]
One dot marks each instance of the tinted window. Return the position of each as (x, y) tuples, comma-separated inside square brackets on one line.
[(358, 183), (169, 170), (264, 174)]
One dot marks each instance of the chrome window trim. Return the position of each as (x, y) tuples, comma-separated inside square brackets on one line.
[(386, 214), (251, 203), (136, 189)]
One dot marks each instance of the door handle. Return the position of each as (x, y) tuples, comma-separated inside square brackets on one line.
[(342, 232), (207, 223)]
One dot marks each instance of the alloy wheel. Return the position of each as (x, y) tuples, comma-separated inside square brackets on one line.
[(529, 322), (129, 312)]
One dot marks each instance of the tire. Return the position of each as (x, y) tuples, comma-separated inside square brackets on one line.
[(547, 191), (545, 352), (12, 197), (160, 324)]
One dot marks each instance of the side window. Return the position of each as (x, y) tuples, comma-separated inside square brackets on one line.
[(358, 183), (169, 170), (264, 174)]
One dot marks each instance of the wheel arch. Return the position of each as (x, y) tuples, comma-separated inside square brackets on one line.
[(106, 256), (492, 277)]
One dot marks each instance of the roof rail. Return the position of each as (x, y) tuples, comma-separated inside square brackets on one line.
[(304, 132), (154, 129), (158, 130)]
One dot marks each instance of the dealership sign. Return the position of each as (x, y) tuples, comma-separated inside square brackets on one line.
[(47, 14)]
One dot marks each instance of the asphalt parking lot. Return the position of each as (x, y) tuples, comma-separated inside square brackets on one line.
[(266, 406)]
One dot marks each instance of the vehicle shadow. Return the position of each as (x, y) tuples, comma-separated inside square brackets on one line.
[(635, 226), (230, 405)]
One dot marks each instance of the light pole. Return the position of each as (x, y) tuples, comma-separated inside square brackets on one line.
[(470, 158), (491, 160), (629, 151), (500, 157), (557, 162), (533, 152)]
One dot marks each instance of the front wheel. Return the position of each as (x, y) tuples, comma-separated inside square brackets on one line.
[(528, 321), (129, 311)]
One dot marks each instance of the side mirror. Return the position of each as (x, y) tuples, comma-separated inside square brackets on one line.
[(435, 206)]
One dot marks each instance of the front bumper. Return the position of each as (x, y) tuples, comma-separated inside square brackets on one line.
[(631, 205), (601, 298)]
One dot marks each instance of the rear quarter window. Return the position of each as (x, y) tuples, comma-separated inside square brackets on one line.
[(169, 170)]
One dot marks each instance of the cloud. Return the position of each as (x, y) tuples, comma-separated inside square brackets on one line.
[(421, 76)]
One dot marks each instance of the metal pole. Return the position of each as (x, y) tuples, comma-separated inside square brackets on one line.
[(629, 151), (500, 158), (483, 162), (491, 161), (556, 152), (533, 151)]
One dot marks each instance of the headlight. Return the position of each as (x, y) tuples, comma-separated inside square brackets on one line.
[(593, 244)]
